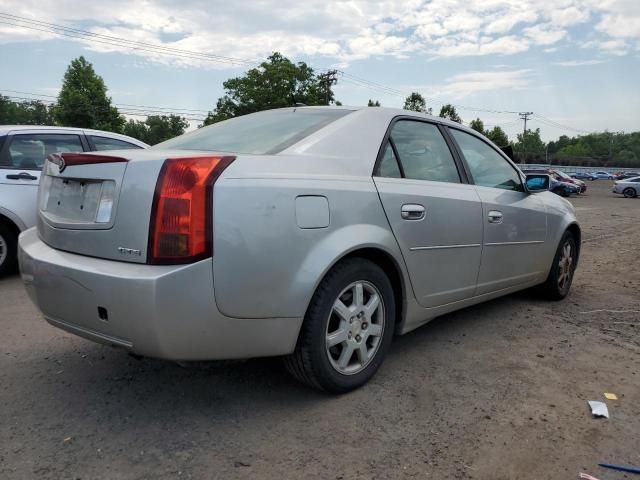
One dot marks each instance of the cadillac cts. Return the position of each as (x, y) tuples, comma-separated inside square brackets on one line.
[(312, 233)]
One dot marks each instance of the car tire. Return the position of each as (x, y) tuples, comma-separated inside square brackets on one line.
[(558, 283), (8, 249), (338, 348), (629, 192)]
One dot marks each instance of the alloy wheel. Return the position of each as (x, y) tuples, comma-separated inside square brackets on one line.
[(4, 248), (355, 327), (565, 269)]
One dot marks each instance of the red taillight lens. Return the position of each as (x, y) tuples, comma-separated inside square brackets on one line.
[(181, 228)]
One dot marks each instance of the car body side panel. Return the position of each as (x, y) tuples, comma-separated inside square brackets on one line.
[(442, 250), (513, 250), (259, 248), (19, 203)]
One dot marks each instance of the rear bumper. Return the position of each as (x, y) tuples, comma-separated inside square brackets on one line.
[(157, 311)]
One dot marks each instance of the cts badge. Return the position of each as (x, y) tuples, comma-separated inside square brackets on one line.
[(129, 251)]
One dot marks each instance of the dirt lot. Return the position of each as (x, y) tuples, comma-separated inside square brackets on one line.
[(497, 391)]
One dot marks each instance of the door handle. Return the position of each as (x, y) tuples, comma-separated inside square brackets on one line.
[(495, 216), (21, 176), (412, 211)]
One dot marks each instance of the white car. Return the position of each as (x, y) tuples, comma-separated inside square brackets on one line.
[(629, 187), (23, 150)]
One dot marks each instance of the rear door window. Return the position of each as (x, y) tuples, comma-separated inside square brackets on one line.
[(422, 151), (106, 143), (29, 151)]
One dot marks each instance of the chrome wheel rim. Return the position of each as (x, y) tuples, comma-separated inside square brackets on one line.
[(3, 250), (355, 327), (565, 264)]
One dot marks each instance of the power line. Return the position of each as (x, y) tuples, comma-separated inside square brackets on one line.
[(61, 30), (114, 41), (152, 107), (130, 110)]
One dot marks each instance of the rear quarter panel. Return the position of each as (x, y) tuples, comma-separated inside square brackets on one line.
[(264, 264)]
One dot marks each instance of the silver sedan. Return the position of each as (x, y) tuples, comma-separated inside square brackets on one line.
[(313, 233), (629, 187)]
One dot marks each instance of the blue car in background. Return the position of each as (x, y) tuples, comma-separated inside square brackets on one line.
[(605, 175), (583, 176)]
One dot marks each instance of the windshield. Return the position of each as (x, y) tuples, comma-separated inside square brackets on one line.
[(265, 132)]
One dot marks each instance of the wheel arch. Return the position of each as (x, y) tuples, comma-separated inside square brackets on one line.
[(390, 266), (8, 221), (575, 230)]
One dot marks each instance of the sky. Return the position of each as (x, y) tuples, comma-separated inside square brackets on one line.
[(574, 63)]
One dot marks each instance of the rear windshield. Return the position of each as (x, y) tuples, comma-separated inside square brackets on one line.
[(265, 132)]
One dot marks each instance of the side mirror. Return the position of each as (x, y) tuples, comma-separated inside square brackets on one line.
[(537, 183)]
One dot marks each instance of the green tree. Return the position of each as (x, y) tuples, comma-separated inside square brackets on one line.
[(529, 145), (276, 83), (30, 112), (415, 102), (371, 103), (498, 136), (156, 128), (477, 125), (449, 111), (83, 101)]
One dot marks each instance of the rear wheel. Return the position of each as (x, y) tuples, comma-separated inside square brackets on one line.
[(629, 192), (347, 330), (558, 283), (8, 249)]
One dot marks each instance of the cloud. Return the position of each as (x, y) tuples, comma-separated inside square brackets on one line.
[(336, 31), (578, 63), (469, 83)]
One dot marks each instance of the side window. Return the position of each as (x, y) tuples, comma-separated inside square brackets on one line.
[(423, 152), (29, 151), (389, 165), (106, 143), (488, 167)]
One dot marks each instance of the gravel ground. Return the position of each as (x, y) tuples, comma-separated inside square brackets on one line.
[(496, 391)]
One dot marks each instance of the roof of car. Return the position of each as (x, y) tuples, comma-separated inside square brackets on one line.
[(6, 129), (391, 113)]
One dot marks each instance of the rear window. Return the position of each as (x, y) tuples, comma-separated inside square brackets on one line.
[(265, 132)]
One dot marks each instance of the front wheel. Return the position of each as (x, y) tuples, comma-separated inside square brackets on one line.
[(347, 330), (629, 192), (558, 283)]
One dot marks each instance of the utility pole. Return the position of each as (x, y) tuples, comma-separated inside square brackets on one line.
[(328, 79), (524, 116)]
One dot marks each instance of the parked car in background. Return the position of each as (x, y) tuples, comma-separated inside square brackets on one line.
[(629, 187), (315, 233), (564, 189), (23, 150), (558, 185), (602, 175), (625, 175), (583, 176), (563, 177)]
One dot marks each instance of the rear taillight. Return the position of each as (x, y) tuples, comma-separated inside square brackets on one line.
[(181, 228)]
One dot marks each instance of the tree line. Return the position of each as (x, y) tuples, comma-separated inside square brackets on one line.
[(278, 82), (83, 103)]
